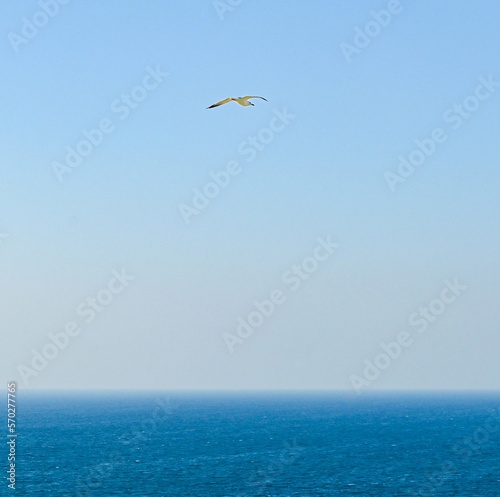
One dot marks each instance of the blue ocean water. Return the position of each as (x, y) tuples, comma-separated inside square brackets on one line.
[(204, 445)]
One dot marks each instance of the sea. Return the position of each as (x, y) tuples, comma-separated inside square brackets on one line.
[(256, 444)]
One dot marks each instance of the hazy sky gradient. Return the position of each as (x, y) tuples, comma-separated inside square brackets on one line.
[(322, 175)]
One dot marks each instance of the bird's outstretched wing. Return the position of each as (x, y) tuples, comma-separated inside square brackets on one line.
[(250, 96), (222, 102)]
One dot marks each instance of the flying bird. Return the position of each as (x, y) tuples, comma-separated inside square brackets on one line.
[(240, 100)]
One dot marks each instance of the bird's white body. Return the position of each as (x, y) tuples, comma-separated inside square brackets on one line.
[(244, 101)]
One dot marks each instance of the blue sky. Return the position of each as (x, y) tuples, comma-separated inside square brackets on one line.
[(323, 174)]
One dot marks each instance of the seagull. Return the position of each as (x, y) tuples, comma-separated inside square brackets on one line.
[(240, 100)]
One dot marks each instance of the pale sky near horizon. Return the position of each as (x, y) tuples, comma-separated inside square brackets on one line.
[(308, 170)]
